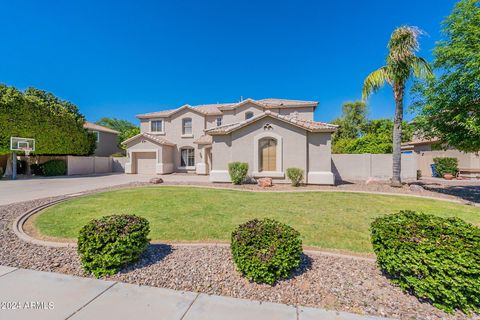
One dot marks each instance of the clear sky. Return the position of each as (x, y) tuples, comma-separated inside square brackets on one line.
[(122, 58)]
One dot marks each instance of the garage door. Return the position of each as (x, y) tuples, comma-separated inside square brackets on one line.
[(145, 162)]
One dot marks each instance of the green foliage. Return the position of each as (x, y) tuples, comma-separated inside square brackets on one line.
[(446, 165), (238, 171), (266, 250), (375, 136), (449, 104), (295, 175), (434, 258), (107, 244), (126, 128), (56, 125), (54, 168), (354, 116)]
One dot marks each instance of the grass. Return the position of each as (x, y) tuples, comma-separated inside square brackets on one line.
[(333, 220)]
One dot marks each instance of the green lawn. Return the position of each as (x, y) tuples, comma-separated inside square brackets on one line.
[(333, 220)]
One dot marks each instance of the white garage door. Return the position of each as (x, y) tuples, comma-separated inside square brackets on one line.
[(145, 162)]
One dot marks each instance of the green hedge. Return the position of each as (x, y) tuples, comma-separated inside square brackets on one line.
[(435, 259), (266, 250), (446, 165), (54, 168), (295, 175), (238, 171), (107, 244)]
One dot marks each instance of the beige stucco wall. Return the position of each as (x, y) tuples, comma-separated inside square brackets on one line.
[(88, 165), (365, 166)]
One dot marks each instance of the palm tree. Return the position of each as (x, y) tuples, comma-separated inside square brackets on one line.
[(401, 65)]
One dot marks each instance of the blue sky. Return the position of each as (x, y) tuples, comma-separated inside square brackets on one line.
[(121, 58)]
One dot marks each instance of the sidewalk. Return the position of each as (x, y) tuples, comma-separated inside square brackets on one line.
[(29, 294)]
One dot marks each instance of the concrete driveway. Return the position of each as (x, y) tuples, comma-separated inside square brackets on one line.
[(12, 191)]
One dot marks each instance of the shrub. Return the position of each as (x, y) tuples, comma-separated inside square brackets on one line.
[(36, 169), (54, 168), (107, 244), (1, 172), (295, 175), (21, 167), (266, 250), (238, 171), (435, 259), (118, 155), (446, 165)]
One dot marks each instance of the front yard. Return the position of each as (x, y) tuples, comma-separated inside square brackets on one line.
[(330, 220)]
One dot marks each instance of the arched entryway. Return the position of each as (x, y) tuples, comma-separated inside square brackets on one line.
[(267, 154)]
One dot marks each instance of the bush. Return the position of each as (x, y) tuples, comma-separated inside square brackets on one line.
[(107, 244), (446, 165), (118, 155), (54, 168), (295, 175), (266, 250), (1, 172), (21, 167), (36, 169), (435, 259), (238, 171)]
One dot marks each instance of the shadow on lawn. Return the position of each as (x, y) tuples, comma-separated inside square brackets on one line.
[(153, 254)]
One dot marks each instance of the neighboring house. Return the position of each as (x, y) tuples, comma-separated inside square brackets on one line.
[(427, 149), (107, 139), (271, 135)]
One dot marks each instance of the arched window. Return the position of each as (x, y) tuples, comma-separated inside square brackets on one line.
[(187, 126), (248, 115), (267, 154), (187, 157)]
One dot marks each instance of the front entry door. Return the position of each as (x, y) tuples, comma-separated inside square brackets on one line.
[(268, 153)]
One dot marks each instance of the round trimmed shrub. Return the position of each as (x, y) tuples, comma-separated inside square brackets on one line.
[(295, 175), (107, 244), (266, 250), (433, 258), (238, 171)]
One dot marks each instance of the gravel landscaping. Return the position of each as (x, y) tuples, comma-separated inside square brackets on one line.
[(333, 282)]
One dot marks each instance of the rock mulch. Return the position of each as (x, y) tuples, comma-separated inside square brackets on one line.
[(333, 282)]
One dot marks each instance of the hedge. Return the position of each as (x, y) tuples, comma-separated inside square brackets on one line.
[(54, 168), (435, 259)]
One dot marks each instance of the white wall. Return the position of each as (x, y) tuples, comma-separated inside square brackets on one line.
[(364, 166)]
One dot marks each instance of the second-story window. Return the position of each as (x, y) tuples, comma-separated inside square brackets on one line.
[(187, 126), (248, 115), (219, 121), (156, 126)]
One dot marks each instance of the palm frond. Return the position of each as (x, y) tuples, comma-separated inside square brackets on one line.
[(374, 81), (403, 43), (421, 68)]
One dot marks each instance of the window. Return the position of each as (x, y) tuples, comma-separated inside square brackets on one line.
[(97, 136), (219, 121), (268, 154), (187, 157), (187, 126), (156, 126), (248, 115)]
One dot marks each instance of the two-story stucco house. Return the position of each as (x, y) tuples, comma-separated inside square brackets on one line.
[(271, 135)]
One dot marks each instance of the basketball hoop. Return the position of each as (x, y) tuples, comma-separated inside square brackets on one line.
[(27, 151)]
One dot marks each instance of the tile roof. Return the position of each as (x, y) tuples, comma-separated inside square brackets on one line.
[(313, 126), (155, 138), (205, 139), (216, 109), (96, 127)]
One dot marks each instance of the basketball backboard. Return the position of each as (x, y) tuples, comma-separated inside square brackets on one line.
[(26, 145)]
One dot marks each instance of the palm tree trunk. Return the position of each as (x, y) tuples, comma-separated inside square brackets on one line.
[(397, 136)]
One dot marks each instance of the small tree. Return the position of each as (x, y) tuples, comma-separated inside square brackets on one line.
[(295, 175)]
